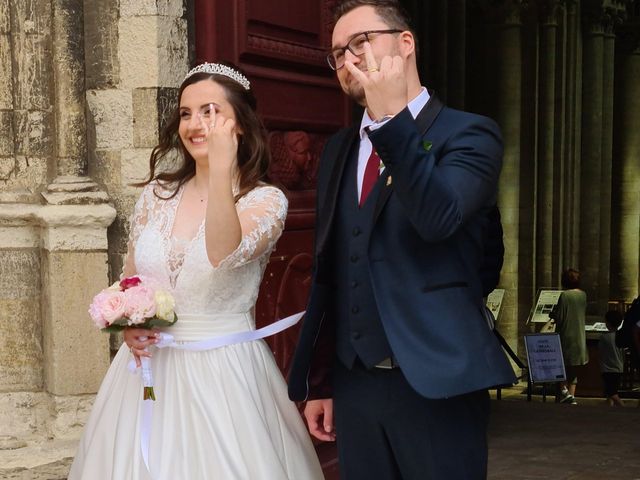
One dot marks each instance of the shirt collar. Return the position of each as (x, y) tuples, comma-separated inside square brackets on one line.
[(415, 106)]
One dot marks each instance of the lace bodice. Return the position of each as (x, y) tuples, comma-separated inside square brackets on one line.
[(182, 266)]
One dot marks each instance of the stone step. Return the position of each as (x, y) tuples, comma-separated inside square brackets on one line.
[(41, 459), (39, 414)]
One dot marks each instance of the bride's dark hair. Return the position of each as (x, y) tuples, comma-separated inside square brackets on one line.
[(253, 150)]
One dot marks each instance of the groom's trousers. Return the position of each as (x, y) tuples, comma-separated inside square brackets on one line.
[(387, 431)]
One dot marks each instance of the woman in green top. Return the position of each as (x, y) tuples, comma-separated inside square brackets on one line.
[(569, 315)]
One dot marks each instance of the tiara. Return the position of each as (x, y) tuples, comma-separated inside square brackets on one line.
[(219, 69)]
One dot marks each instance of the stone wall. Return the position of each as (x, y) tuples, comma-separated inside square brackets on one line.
[(83, 86), (134, 63)]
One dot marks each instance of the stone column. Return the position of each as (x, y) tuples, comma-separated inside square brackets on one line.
[(571, 147), (74, 261), (20, 326), (504, 88), (591, 202), (548, 230), (68, 81), (20, 291), (625, 231), (597, 132), (25, 147), (32, 117), (74, 269), (608, 47), (71, 184), (7, 160), (73, 223)]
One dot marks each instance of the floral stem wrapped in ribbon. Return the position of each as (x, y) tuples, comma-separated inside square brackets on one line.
[(134, 302)]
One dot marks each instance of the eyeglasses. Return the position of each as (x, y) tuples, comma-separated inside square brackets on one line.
[(356, 46)]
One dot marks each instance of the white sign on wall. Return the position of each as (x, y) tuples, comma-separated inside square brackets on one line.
[(494, 302), (547, 299)]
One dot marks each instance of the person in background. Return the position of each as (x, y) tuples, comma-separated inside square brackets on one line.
[(569, 315), (611, 359)]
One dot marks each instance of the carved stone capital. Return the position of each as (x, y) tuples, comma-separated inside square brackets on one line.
[(628, 31), (502, 12), (549, 10), (571, 6), (55, 227), (602, 16)]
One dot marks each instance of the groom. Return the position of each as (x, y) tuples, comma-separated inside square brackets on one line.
[(394, 347)]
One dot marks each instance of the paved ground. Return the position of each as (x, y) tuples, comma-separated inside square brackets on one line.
[(527, 441), (589, 441)]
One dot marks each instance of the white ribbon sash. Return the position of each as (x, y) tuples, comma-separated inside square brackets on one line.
[(167, 340)]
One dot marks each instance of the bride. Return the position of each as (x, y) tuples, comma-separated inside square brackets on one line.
[(203, 228)]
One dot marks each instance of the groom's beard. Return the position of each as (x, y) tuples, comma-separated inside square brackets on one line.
[(355, 90)]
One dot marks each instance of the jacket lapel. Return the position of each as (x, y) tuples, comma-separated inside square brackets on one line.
[(344, 149), (424, 120), (428, 114)]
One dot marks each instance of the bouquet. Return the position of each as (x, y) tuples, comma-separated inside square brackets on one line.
[(134, 302)]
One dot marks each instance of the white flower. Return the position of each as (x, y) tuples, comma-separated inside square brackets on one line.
[(164, 305)]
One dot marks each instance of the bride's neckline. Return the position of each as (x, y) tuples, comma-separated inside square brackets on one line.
[(176, 207)]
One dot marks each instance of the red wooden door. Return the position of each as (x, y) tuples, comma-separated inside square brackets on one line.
[(281, 45)]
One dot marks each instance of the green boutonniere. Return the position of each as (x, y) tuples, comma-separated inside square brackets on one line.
[(427, 144)]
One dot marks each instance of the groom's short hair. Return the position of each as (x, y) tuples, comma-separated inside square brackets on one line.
[(390, 11)]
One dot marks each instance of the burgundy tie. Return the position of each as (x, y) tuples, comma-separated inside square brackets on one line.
[(371, 172)]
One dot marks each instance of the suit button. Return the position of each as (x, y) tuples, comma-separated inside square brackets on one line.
[(355, 335), (355, 309), (356, 231), (354, 284), (354, 258)]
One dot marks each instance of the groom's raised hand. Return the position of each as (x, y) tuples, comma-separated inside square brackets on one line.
[(319, 415), (385, 85)]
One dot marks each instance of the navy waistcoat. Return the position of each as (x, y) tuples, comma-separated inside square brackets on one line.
[(359, 330)]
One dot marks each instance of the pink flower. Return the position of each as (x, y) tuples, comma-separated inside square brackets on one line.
[(129, 282), (107, 307), (141, 304)]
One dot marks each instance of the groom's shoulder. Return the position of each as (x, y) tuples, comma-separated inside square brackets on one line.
[(463, 119)]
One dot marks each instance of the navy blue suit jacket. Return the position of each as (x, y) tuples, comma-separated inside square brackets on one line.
[(424, 254)]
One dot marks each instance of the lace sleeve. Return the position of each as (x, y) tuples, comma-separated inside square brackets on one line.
[(262, 213), (137, 222)]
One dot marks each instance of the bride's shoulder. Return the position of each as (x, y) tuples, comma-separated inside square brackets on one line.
[(155, 191), (265, 200), (265, 193)]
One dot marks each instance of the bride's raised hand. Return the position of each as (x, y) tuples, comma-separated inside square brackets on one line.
[(222, 140)]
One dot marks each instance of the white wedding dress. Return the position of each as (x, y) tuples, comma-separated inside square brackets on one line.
[(219, 414)]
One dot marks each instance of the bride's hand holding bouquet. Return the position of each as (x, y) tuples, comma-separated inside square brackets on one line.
[(137, 305)]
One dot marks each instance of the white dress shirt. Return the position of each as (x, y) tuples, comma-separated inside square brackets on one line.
[(415, 106)]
